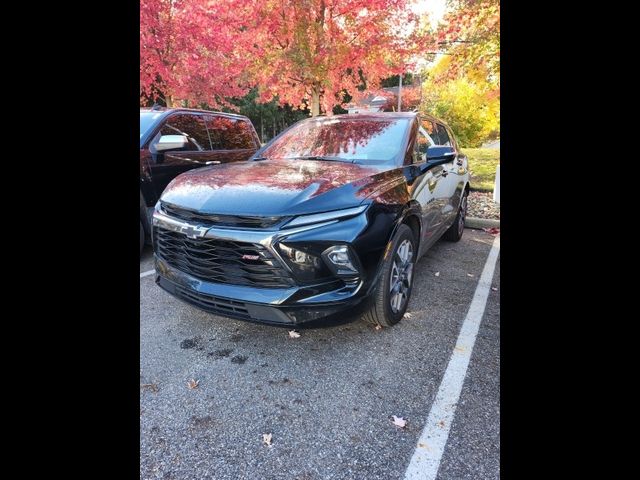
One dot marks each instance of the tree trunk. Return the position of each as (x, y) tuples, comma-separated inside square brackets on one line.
[(400, 94), (168, 99), (315, 101)]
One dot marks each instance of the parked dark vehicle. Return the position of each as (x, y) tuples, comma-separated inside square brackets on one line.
[(175, 140), (331, 214)]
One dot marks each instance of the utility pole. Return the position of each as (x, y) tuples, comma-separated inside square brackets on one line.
[(400, 94)]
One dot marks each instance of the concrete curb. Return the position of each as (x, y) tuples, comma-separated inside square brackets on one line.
[(480, 223)]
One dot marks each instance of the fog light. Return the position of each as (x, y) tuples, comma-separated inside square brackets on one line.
[(306, 266), (339, 260), (299, 257)]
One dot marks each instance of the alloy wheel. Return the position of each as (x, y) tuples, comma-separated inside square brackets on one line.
[(401, 275), (462, 216)]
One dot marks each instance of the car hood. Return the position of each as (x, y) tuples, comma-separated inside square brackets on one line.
[(276, 187)]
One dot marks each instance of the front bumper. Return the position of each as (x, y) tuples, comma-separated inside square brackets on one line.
[(277, 306), (290, 305)]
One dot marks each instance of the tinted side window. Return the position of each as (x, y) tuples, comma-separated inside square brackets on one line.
[(192, 126), (420, 147), (430, 128), (229, 133), (443, 136)]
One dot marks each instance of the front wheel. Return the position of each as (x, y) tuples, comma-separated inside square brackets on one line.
[(391, 297), (455, 231)]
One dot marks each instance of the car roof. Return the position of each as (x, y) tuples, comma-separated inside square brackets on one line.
[(379, 115), (167, 111)]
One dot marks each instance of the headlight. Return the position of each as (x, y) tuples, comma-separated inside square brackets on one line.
[(326, 216)]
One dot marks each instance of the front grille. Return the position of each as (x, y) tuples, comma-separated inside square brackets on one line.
[(220, 220), (221, 261), (213, 304)]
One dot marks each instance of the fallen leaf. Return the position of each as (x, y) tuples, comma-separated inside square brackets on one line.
[(151, 386), (492, 231), (441, 423), (407, 315), (266, 439), (495, 289), (437, 274), (293, 334), (469, 275), (378, 327), (193, 384), (399, 421)]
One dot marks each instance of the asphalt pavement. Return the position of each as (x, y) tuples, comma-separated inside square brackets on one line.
[(327, 398)]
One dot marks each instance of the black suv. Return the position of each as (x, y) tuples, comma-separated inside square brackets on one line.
[(331, 214), (175, 140)]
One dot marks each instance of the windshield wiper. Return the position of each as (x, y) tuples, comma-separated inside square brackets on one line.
[(319, 157)]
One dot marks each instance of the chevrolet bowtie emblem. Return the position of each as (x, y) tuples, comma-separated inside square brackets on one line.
[(192, 231)]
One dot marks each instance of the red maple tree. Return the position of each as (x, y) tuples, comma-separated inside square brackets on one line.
[(318, 50), (303, 51), (191, 50)]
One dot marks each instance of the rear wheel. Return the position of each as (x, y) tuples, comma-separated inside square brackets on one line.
[(391, 297), (455, 231)]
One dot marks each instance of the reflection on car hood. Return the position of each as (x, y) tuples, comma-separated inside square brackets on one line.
[(276, 187)]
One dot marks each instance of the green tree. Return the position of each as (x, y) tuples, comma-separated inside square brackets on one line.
[(269, 118), (470, 109)]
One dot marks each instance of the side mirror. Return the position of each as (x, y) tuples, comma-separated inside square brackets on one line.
[(439, 155), (171, 142)]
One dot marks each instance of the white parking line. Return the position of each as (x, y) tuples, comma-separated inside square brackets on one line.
[(428, 453), (147, 273)]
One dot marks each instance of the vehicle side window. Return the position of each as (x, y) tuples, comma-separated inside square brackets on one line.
[(430, 128), (230, 133), (192, 126), (421, 146), (443, 136)]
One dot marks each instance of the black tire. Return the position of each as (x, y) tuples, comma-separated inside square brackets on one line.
[(141, 237), (455, 231), (381, 312)]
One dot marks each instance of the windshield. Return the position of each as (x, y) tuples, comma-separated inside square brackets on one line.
[(147, 120), (356, 140)]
